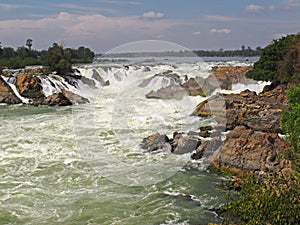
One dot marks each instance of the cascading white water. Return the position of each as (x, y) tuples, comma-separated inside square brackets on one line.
[(83, 164)]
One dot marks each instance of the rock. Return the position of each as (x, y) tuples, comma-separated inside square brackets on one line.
[(172, 91), (228, 75), (57, 99), (97, 77), (74, 98), (6, 94), (194, 86), (206, 128), (146, 69), (207, 148), (185, 144), (215, 105), (91, 83), (169, 75), (155, 142), (244, 149), (258, 112), (204, 133), (29, 86)]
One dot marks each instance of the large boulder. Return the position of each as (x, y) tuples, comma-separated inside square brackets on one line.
[(185, 144), (247, 150), (6, 94), (156, 142), (29, 86), (57, 99), (172, 91), (207, 148), (74, 98)]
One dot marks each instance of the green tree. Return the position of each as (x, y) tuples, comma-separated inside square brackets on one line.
[(290, 120), (29, 43), (57, 59)]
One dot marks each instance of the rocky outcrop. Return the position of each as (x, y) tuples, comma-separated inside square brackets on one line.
[(253, 122), (220, 77), (57, 99), (228, 75), (179, 144), (6, 94), (258, 112), (29, 86), (247, 150)]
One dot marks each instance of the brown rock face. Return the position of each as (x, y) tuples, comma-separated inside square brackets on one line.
[(244, 149), (258, 112), (29, 86), (6, 94), (228, 75)]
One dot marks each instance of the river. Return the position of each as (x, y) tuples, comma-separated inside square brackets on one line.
[(83, 164)]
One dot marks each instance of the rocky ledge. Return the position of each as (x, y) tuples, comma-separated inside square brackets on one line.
[(253, 123), (252, 141)]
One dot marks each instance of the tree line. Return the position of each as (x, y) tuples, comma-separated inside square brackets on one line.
[(56, 58), (243, 52)]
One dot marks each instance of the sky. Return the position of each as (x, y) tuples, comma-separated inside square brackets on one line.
[(105, 24)]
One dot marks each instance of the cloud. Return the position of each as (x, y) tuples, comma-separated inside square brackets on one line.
[(82, 9), (254, 8), (153, 15), (101, 32), (196, 33), (224, 31), (13, 6), (221, 18)]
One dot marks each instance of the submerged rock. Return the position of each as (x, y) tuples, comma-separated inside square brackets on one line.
[(7, 95)]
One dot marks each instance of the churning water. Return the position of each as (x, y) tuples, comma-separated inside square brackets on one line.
[(83, 164)]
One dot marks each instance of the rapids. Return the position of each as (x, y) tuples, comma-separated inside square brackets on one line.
[(82, 164)]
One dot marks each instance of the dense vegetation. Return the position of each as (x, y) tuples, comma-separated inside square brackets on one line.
[(56, 58), (243, 52), (279, 61)]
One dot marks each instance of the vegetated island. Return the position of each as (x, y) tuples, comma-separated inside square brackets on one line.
[(57, 60)]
